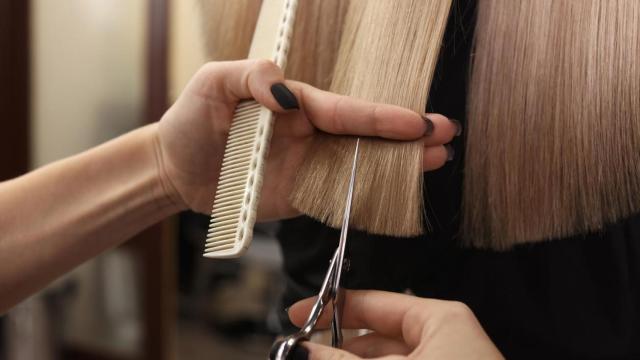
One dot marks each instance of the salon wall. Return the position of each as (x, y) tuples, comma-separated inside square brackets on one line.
[(88, 85), (186, 43), (88, 79), (88, 73)]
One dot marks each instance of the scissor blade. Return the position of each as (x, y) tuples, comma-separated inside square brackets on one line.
[(347, 213), (336, 322)]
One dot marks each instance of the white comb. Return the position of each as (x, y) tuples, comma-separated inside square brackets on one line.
[(236, 201)]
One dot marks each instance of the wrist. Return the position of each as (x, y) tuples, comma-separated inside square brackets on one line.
[(169, 194)]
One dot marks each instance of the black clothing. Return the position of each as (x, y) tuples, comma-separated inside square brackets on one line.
[(567, 298)]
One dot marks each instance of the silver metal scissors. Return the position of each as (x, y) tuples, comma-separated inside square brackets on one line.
[(330, 292)]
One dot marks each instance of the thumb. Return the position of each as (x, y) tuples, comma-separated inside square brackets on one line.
[(323, 352)]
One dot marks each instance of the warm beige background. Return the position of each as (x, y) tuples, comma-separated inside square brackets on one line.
[(186, 44), (88, 73)]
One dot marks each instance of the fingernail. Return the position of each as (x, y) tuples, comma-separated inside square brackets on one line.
[(284, 96), (458, 126), (430, 127), (299, 353), (451, 152)]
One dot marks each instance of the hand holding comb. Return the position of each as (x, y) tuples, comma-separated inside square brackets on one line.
[(236, 201)]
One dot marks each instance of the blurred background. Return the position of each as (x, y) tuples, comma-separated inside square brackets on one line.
[(75, 73)]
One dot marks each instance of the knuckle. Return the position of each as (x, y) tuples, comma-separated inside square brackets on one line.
[(457, 310), (208, 79), (379, 127), (208, 66), (263, 65), (339, 126), (209, 69)]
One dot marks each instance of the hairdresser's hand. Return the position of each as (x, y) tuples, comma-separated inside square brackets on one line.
[(404, 327), (193, 132)]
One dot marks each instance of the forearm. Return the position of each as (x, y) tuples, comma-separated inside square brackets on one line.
[(56, 217)]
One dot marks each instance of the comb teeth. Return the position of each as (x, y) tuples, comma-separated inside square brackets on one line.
[(231, 218)]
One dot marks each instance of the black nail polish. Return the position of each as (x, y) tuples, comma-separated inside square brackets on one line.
[(430, 126), (458, 126), (299, 353), (451, 152), (284, 96)]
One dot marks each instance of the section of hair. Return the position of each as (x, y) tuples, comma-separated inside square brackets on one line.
[(553, 144), (387, 54), (315, 41), (316, 36), (228, 27)]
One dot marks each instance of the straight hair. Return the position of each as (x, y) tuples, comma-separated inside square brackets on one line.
[(229, 28), (387, 54), (553, 135), (553, 113)]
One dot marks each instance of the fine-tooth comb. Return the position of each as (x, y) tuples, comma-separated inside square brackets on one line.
[(236, 201)]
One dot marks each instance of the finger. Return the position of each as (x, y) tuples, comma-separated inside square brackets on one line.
[(434, 157), (260, 79), (383, 312), (444, 130), (344, 115), (231, 81), (322, 352), (336, 114), (375, 345)]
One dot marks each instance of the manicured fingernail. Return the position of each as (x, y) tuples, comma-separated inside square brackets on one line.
[(284, 96), (430, 127), (458, 126), (299, 353), (451, 152)]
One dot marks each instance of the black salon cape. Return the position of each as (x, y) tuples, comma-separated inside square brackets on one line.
[(567, 298)]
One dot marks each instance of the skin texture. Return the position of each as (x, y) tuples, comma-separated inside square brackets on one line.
[(403, 327), (62, 214)]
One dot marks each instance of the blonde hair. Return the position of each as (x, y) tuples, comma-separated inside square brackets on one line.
[(228, 27), (387, 54), (553, 115), (389, 192), (316, 36), (553, 146)]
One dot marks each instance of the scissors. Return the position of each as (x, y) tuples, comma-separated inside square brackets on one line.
[(330, 292)]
